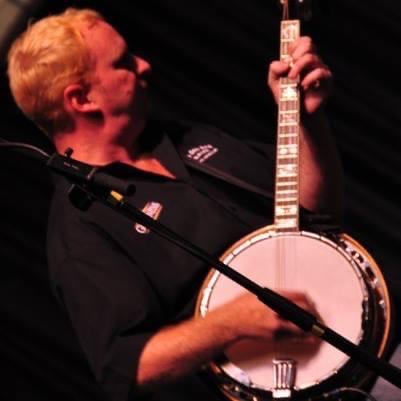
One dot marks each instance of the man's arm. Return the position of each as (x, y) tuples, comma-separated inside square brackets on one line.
[(321, 173), (177, 350)]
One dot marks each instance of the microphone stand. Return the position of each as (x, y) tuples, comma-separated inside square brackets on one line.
[(271, 299), (94, 184)]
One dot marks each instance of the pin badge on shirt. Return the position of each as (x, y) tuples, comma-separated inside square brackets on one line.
[(153, 210), (202, 153)]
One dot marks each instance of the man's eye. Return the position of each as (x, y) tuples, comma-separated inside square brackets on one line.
[(126, 62)]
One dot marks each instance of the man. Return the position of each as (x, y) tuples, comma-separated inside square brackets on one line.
[(130, 295)]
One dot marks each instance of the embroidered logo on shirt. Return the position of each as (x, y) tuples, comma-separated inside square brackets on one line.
[(202, 153), (153, 210)]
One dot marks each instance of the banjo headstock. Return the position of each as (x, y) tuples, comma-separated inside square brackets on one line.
[(297, 9)]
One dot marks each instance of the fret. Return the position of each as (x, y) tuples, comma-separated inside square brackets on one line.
[(290, 147), (281, 214), (280, 115), (288, 83), (287, 172), (284, 172), (287, 141), (287, 133), (285, 112), (284, 200), (289, 217), (285, 159), (289, 130), (287, 96), (288, 93), (288, 119), (292, 216), (286, 191), (288, 113), (286, 183), (289, 124), (288, 137), (290, 158), (286, 223), (285, 179), (288, 166), (286, 211), (285, 196), (290, 150), (279, 189)]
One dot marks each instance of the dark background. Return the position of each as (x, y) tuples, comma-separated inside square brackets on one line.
[(209, 62)]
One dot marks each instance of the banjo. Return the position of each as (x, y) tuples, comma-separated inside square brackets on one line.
[(335, 271)]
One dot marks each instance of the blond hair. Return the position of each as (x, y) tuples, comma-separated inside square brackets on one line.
[(44, 60)]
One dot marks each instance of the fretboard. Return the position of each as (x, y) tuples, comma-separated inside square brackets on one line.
[(286, 209)]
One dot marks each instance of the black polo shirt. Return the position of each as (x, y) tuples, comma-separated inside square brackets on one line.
[(121, 283)]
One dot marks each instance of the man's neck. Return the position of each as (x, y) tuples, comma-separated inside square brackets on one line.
[(101, 148), (100, 143)]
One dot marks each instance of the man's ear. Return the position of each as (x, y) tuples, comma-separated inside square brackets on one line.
[(76, 99)]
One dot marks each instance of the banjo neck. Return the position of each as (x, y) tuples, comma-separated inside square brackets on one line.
[(286, 200)]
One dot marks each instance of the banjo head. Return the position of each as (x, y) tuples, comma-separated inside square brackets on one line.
[(331, 276)]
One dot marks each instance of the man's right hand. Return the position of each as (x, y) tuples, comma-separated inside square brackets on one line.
[(251, 319)]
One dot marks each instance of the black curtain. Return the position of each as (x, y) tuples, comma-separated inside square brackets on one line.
[(209, 63)]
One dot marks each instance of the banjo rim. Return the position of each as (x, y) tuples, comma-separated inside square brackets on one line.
[(379, 288)]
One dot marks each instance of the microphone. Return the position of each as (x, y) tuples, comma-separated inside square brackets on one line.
[(76, 171), (81, 173)]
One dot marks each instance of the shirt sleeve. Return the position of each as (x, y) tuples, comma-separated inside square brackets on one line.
[(111, 305)]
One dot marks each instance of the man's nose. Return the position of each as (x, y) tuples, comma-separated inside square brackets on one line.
[(142, 66)]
